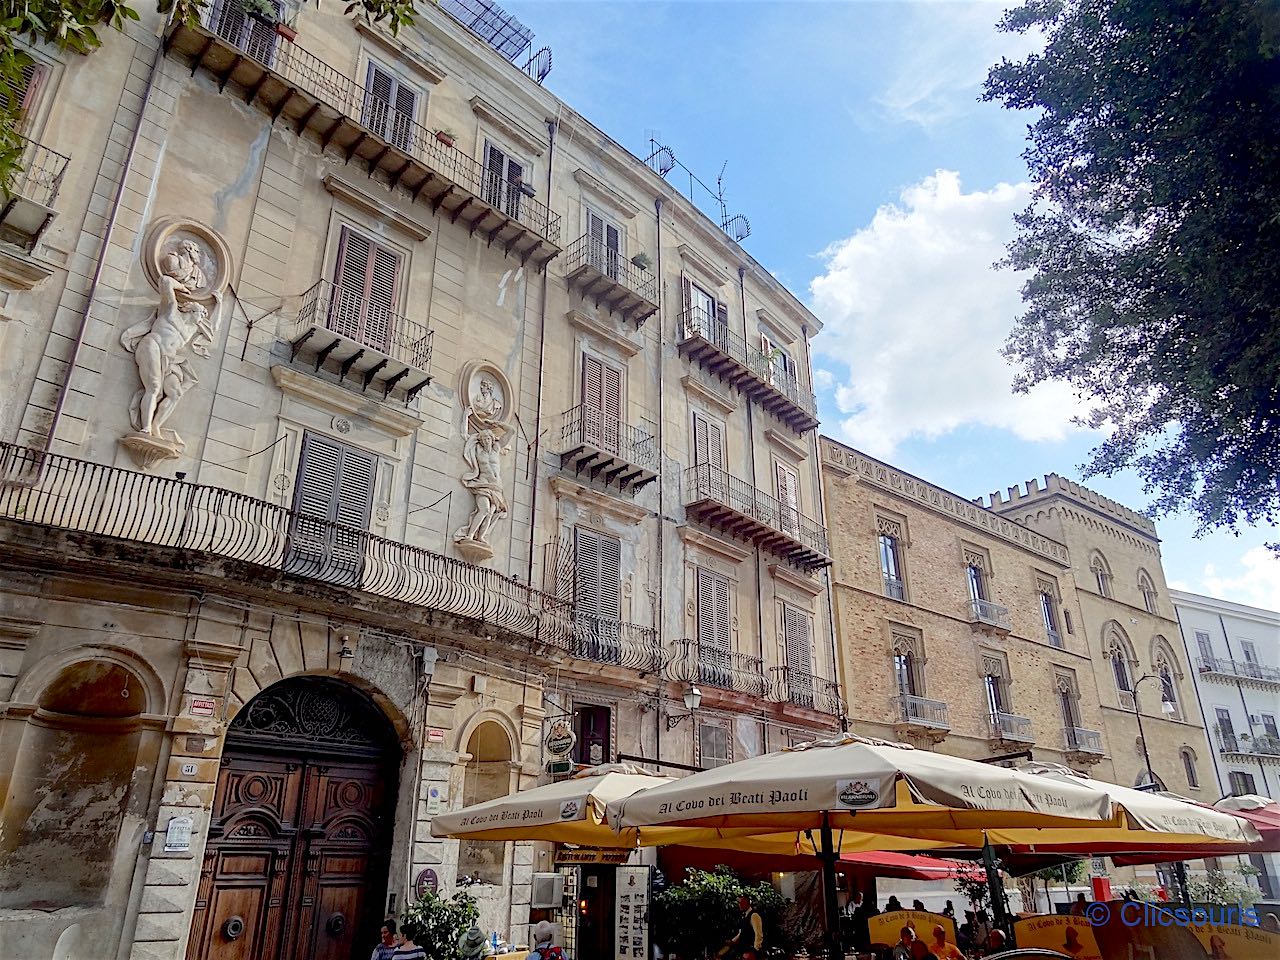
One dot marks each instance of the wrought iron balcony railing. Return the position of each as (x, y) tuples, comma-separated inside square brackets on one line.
[(607, 448), (219, 524), (301, 89), (720, 499), (609, 278), (922, 712), (990, 614), (805, 689), (1081, 740), (27, 209), (895, 588), (717, 666), (602, 640), (362, 338), (1011, 727), (1244, 669), (710, 343), (1262, 745)]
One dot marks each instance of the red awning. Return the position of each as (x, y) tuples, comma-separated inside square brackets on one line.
[(903, 866)]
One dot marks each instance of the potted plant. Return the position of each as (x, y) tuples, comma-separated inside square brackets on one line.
[(642, 261), (447, 137), (287, 30), (263, 11)]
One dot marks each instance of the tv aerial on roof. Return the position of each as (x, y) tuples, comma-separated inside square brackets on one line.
[(662, 160)]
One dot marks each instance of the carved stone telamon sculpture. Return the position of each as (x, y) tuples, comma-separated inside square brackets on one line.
[(488, 430), (182, 325)]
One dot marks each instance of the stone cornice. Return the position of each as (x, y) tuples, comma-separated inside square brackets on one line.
[(502, 121), (608, 332), (397, 50), (602, 191), (313, 390), (693, 259), (17, 632), (210, 653), (383, 207), (785, 574), (619, 510), (722, 548), (845, 461), (723, 402), (22, 271), (784, 442)]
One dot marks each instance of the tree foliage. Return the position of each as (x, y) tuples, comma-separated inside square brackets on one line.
[(442, 922), (1216, 887), (1153, 238), (75, 25), (698, 916)]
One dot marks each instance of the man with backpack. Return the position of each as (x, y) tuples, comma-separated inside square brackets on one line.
[(543, 948)]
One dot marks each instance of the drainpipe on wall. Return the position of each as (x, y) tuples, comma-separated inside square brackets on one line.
[(751, 459), (661, 518), (1204, 718), (542, 367), (1244, 704)]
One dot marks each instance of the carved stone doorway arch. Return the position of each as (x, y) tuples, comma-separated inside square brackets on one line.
[(301, 828)]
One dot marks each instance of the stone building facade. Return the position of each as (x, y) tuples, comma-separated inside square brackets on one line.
[(940, 606), (1130, 627), (1234, 652), (350, 445)]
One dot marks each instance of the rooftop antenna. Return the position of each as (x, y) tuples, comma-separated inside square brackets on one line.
[(737, 226), (662, 160)]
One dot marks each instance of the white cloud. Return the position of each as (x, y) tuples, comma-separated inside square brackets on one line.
[(941, 58), (913, 308), (1257, 585)]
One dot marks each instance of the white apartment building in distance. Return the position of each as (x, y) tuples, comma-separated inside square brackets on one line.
[(1235, 650)]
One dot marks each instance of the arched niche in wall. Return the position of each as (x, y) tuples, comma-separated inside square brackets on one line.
[(487, 776), (76, 771)]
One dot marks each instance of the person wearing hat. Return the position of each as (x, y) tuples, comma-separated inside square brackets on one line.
[(543, 949), (474, 945)]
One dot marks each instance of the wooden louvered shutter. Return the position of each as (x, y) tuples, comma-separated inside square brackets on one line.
[(686, 300), (332, 500), (788, 483), (22, 96), (713, 629), (515, 175), (722, 321), (379, 91), (495, 164), (349, 280), (595, 241), (797, 630), (384, 276), (403, 120), (598, 595), (587, 585)]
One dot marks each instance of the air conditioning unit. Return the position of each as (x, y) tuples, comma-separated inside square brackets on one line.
[(548, 891)]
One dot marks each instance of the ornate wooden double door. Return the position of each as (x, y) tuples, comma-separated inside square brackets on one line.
[(297, 856)]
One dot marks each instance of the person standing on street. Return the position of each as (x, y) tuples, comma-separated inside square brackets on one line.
[(406, 948), (387, 945)]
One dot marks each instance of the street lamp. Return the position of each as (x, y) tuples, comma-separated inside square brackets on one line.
[(692, 701), (1166, 707)]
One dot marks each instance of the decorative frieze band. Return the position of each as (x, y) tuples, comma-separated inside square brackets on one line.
[(927, 495)]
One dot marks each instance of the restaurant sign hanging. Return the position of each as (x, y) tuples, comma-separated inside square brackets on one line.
[(560, 739)]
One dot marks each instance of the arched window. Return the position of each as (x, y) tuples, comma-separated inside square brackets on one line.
[(1166, 668), (1101, 573), (1120, 654), (1189, 767), (1148, 591)]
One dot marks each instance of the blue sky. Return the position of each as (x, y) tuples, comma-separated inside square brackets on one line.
[(879, 189)]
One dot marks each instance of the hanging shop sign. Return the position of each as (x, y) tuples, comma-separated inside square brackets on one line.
[(576, 856), (560, 739)]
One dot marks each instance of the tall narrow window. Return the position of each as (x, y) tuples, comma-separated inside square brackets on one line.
[(1148, 591), (1049, 612), (365, 291), (709, 457), (597, 595), (1120, 670), (713, 745), (890, 546), (787, 485), (1205, 647), (714, 653), (331, 502), (1250, 652), (1269, 725), (781, 368), (977, 581), (604, 244), (22, 96), (797, 630), (1242, 784), (593, 726), (601, 404), (906, 666), (704, 315), (995, 694), (1068, 703), (503, 177), (1226, 730), (1101, 574), (390, 106), (1189, 768)]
